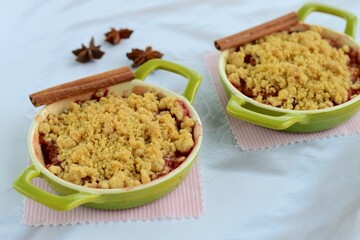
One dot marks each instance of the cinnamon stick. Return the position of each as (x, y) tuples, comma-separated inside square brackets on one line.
[(80, 86), (276, 25)]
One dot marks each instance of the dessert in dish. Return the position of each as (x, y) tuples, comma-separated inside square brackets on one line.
[(111, 140), (115, 142)]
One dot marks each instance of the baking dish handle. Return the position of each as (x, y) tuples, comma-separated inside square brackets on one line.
[(23, 185), (350, 18), (194, 78), (235, 108)]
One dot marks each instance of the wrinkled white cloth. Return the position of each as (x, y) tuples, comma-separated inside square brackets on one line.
[(301, 191)]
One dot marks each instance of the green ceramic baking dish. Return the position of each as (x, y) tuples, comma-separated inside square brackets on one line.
[(247, 109), (72, 195)]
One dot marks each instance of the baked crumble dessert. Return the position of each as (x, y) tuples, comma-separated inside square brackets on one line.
[(297, 70), (115, 142)]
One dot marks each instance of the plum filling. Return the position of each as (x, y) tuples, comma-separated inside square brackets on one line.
[(50, 152), (354, 67)]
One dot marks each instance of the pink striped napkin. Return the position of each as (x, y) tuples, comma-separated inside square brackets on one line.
[(252, 137), (184, 202)]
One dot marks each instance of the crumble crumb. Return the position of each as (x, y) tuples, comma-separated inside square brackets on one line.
[(117, 142), (298, 70)]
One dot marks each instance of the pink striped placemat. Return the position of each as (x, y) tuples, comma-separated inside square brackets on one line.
[(184, 202), (251, 137)]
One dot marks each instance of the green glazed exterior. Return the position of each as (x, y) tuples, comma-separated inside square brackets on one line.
[(71, 195), (247, 109), (351, 19), (193, 77)]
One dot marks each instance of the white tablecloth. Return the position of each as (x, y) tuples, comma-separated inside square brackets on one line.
[(300, 191)]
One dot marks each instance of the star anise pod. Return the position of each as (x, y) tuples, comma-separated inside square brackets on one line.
[(139, 56), (85, 54), (114, 36)]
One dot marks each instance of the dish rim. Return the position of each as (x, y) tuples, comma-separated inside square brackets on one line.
[(329, 33)]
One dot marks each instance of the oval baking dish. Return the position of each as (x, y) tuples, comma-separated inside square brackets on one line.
[(245, 108), (72, 195)]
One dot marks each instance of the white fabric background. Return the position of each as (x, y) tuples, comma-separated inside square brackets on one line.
[(300, 191)]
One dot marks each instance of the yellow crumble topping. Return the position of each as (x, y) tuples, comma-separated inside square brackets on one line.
[(118, 142), (300, 71)]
